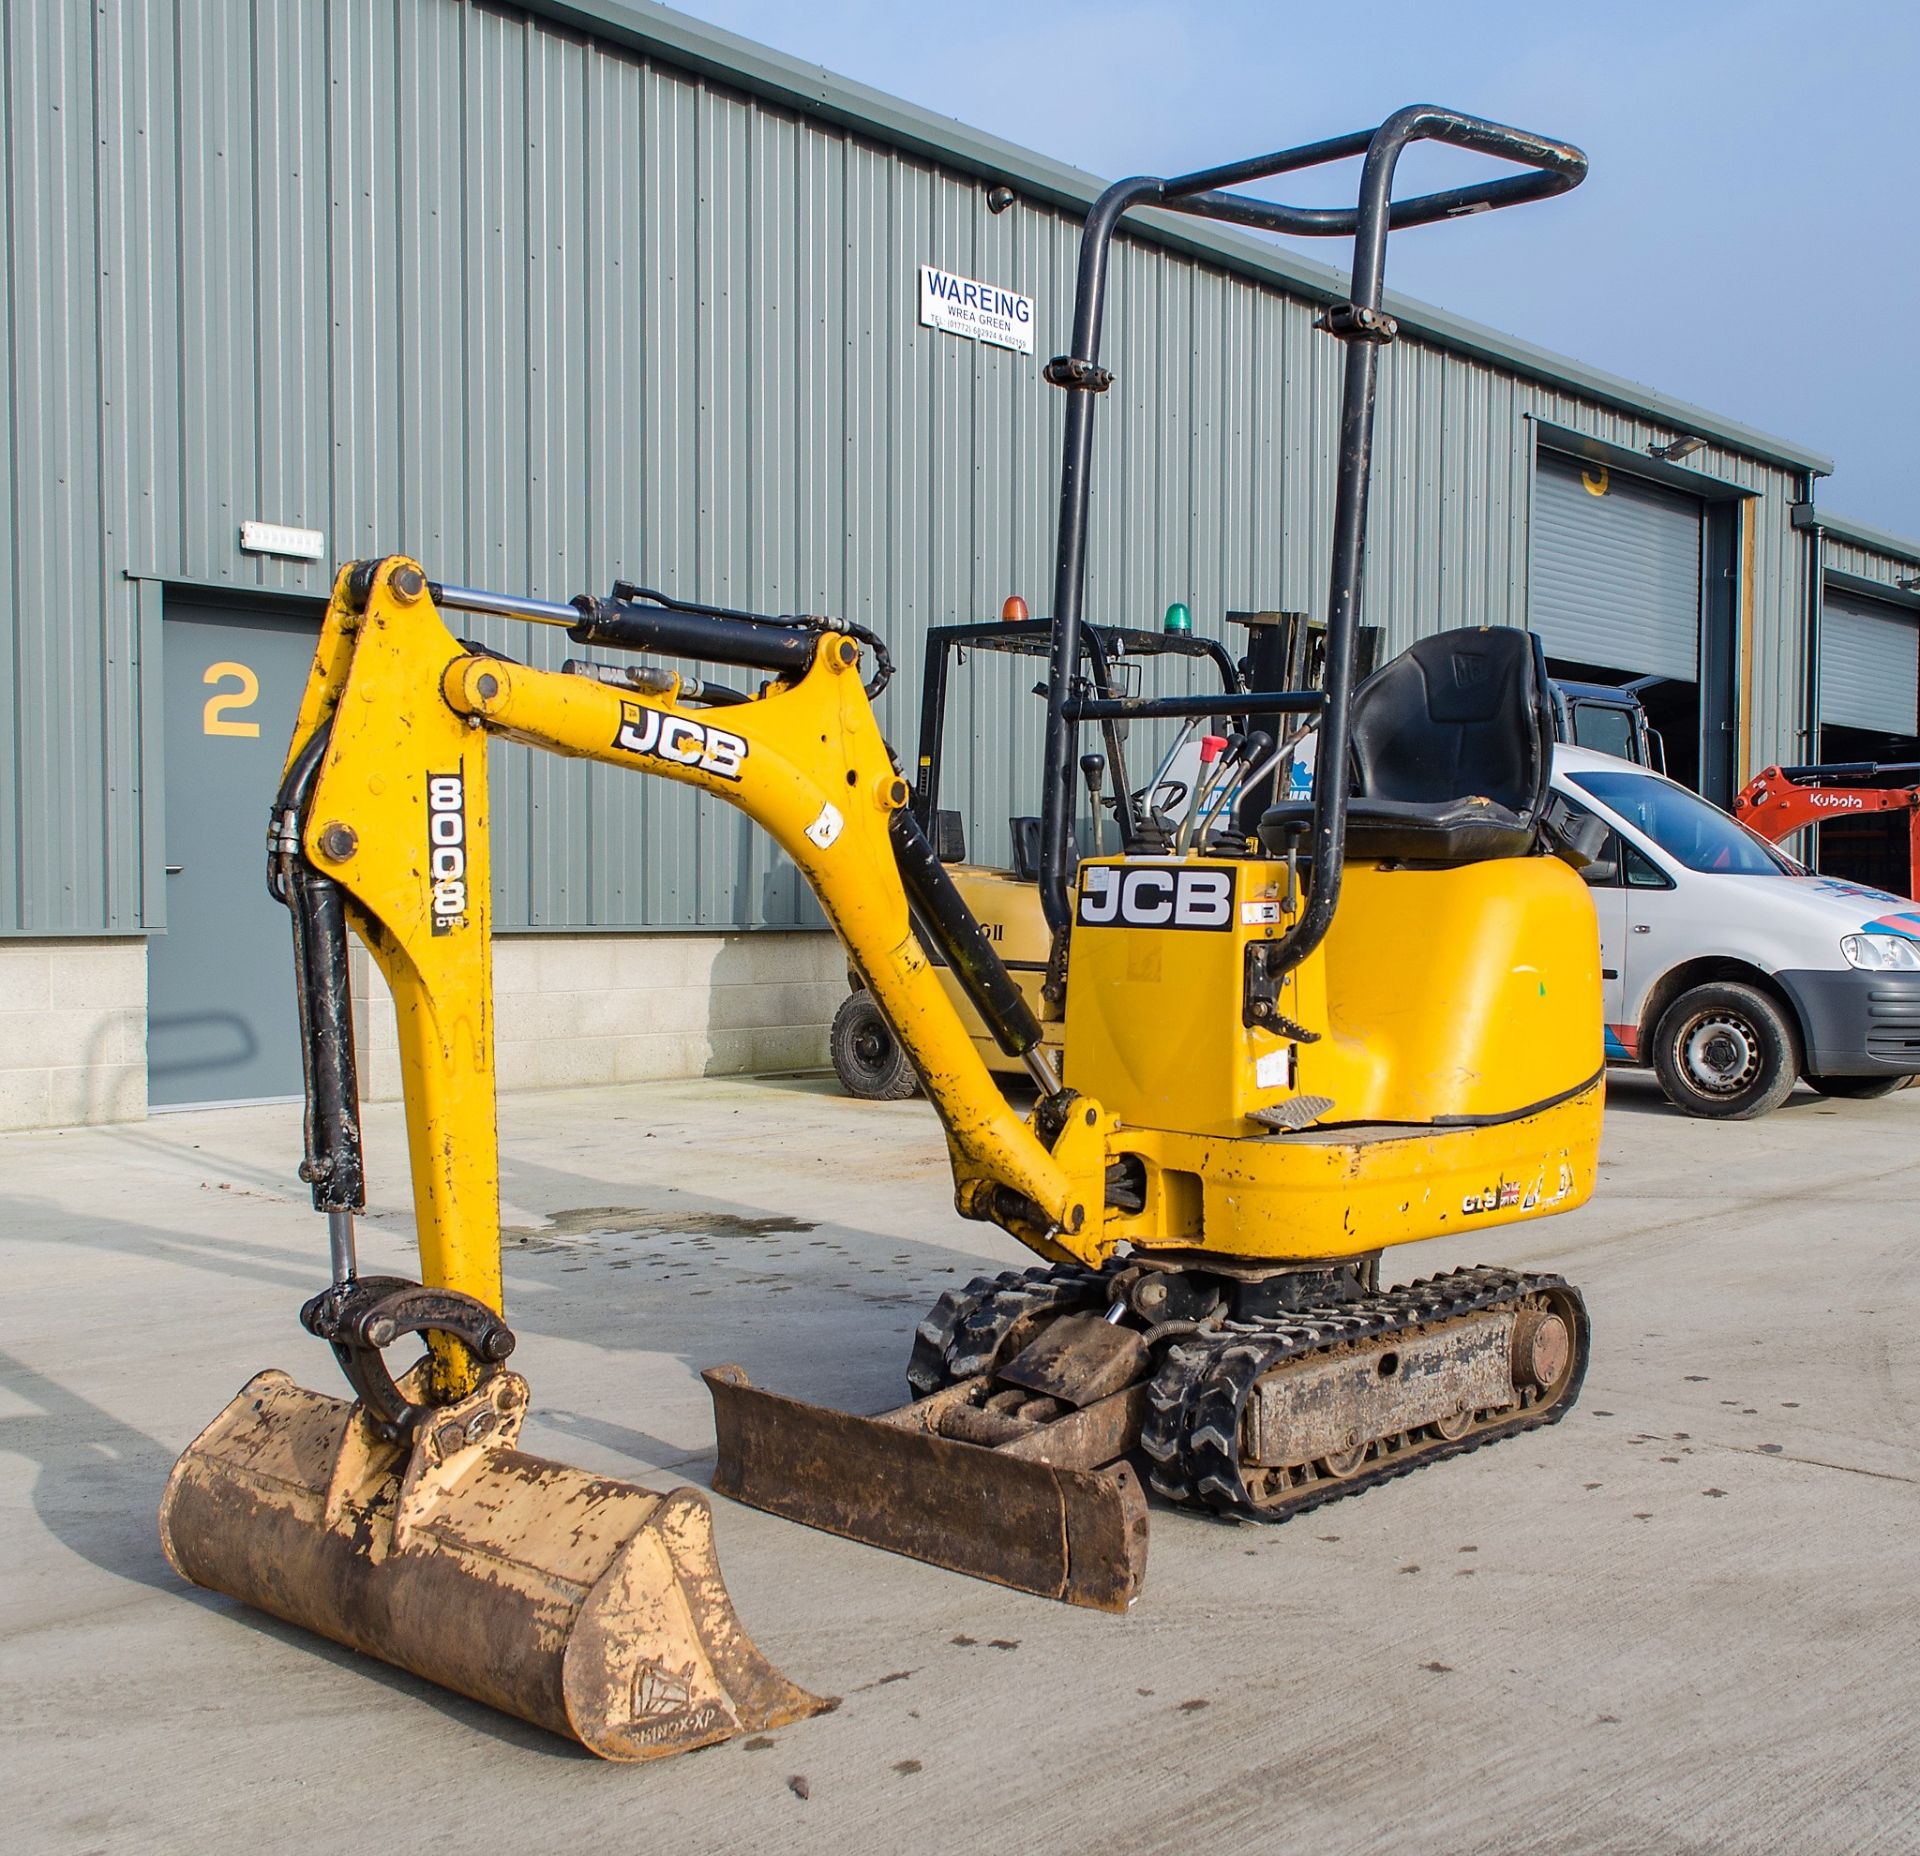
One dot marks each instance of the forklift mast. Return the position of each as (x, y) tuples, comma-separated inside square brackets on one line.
[(1104, 650)]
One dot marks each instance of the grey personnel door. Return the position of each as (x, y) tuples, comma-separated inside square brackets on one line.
[(222, 1025)]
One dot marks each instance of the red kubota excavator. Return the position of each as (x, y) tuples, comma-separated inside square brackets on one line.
[(1778, 801)]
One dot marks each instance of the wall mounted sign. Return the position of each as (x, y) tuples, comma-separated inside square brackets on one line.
[(985, 312), (301, 544)]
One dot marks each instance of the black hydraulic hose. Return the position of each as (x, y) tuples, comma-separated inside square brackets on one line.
[(289, 809), (1849, 772), (955, 931), (334, 1165)]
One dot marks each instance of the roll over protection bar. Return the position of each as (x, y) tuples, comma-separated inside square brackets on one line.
[(1556, 167)]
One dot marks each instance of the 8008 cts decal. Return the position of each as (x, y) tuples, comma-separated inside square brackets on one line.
[(447, 848), (1155, 896), (674, 738)]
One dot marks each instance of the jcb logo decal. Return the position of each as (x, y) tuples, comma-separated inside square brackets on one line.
[(1155, 896), (674, 738), (447, 849)]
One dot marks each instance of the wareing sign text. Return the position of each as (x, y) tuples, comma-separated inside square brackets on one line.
[(965, 306)]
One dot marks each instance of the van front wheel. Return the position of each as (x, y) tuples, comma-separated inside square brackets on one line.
[(1725, 1051)]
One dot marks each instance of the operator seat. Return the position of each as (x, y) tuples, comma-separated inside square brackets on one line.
[(1026, 849), (1451, 747)]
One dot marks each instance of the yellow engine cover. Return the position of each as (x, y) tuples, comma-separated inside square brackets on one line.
[(1448, 1032)]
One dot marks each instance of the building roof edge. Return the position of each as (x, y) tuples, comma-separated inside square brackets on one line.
[(813, 90)]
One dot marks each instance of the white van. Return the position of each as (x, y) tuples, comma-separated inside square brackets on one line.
[(1729, 968)]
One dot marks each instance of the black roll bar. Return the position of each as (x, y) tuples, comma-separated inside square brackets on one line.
[(1555, 167)]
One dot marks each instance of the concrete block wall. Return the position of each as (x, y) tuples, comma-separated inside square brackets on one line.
[(570, 1010), (573, 1010), (73, 1031)]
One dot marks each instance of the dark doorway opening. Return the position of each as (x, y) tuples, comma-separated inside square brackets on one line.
[(1875, 849), (1673, 710)]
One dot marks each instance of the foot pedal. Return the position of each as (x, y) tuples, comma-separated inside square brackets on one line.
[(1291, 1117)]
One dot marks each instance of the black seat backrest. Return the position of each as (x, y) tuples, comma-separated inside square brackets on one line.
[(1460, 715), (1026, 848)]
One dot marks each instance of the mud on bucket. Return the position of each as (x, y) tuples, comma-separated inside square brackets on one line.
[(587, 1605)]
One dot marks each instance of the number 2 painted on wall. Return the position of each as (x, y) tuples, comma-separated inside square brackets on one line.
[(213, 718)]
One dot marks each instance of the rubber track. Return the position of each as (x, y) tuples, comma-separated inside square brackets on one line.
[(964, 1329), (1198, 1396)]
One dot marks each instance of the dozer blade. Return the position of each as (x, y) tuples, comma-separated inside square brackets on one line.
[(1007, 1514), (587, 1605)]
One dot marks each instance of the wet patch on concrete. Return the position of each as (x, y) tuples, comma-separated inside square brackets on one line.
[(642, 1221)]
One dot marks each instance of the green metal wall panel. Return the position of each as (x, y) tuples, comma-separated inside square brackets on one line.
[(545, 308)]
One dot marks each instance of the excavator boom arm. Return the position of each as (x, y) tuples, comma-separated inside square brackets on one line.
[(397, 816)]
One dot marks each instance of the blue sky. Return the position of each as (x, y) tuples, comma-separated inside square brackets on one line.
[(1749, 237)]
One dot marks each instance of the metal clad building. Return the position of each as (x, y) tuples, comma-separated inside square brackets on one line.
[(548, 295)]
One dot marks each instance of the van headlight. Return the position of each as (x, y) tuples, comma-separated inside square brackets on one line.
[(1881, 953)]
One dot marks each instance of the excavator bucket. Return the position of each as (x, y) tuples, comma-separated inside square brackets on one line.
[(1048, 1510), (586, 1605)]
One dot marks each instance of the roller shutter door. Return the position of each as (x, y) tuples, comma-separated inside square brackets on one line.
[(1616, 570), (1869, 665)]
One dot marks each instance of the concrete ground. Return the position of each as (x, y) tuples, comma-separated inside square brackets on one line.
[(1685, 1619)]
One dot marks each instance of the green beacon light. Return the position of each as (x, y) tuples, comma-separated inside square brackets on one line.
[(1178, 618)]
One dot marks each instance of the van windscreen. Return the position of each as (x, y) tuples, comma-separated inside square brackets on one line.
[(1685, 826)]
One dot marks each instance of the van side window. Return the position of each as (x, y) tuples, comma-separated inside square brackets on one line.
[(1640, 870)]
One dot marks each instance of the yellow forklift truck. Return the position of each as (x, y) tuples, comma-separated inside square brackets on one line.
[(1374, 1019)]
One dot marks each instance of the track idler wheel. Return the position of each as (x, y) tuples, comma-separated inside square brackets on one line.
[(587, 1605)]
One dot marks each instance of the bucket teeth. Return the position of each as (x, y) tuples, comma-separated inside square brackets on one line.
[(584, 1604)]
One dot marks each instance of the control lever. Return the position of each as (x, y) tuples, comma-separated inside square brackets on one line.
[(1213, 760), (1260, 759), (1093, 769)]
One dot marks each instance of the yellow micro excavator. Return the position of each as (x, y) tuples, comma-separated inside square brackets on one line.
[(1292, 1041)]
